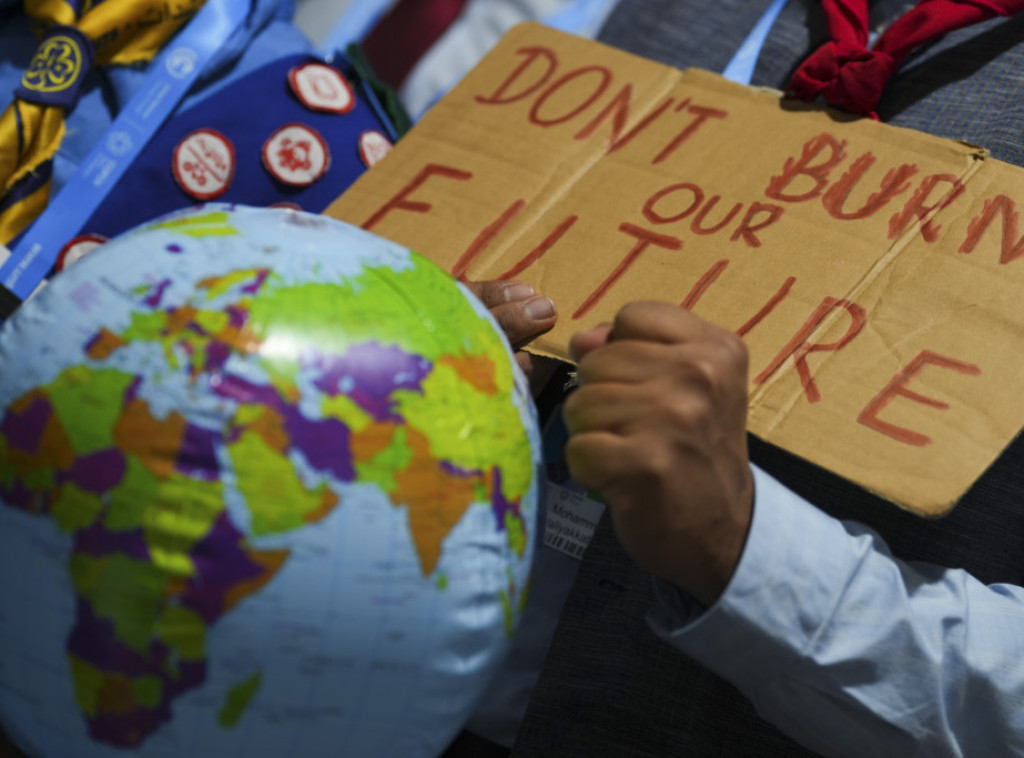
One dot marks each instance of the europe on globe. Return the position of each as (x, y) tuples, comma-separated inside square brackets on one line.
[(268, 487)]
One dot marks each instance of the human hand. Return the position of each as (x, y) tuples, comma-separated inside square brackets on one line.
[(523, 315), (658, 427)]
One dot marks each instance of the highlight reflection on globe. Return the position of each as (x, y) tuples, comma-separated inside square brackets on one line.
[(268, 486)]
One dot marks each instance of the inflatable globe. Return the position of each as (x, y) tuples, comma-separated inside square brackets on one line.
[(267, 488)]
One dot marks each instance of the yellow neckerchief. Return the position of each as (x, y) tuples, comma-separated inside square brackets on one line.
[(74, 37)]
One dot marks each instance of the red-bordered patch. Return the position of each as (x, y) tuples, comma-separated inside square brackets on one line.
[(296, 154), (322, 88), (286, 205), (204, 164), (372, 147), (78, 248)]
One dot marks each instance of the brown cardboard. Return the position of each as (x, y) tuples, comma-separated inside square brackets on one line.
[(886, 329)]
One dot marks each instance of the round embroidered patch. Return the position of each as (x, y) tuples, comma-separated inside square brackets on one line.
[(204, 164), (373, 146), (296, 154), (322, 88), (78, 248)]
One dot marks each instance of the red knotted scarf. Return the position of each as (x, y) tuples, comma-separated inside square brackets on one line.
[(848, 75)]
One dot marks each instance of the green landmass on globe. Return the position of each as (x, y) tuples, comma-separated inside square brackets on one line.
[(157, 559)]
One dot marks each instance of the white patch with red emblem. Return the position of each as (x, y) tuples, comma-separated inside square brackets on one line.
[(78, 248), (204, 164), (372, 147), (322, 88), (296, 154)]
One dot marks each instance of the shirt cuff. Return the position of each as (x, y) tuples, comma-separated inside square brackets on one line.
[(795, 560)]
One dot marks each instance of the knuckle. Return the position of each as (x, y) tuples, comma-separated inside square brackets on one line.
[(706, 374), (587, 369), (699, 375), (478, 289), (733, 349), (490, 293), (507, 322), (576, 449), (716, 369), (512, 324), (658, 464), (582, 461), (630, 311), (572, 408), (576, 406), (632, 315), (689, 412)]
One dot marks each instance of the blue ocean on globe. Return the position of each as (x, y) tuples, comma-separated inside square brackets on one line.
[(268, 487)]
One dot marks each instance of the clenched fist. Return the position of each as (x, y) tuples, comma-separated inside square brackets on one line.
[(658, 427)]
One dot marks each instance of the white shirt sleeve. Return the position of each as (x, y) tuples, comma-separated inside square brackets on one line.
[(852, 652)]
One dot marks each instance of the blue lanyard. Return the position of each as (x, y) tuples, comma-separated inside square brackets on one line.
[(171, 75), (741, 68)]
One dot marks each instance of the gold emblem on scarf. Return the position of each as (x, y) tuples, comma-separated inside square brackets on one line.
[(56, 65)]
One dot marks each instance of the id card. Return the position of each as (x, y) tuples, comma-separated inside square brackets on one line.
[(572, 513), (571, 520)]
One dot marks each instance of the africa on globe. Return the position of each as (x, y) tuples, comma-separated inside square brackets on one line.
[(268, 487)]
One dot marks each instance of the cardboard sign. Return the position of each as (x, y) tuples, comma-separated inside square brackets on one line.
[(876, 273)]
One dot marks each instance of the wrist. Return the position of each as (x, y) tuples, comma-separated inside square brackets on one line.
[(722, 546)]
